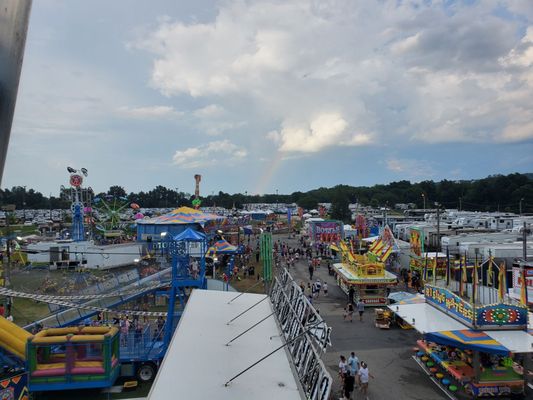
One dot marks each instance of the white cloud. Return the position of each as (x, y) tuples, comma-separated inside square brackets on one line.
[(410, 168), (150, 112), (352, 74), (522, 55), (217, 153), (210, 111), (323, 131)]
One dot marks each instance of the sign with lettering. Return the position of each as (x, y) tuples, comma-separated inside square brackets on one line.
[(297, 315), (494, 389), (326, 231), (450, 303)]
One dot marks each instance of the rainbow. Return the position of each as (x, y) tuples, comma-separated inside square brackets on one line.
[(271, 168)]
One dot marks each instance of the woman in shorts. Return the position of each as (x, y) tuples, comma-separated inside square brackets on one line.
[(364, 376)]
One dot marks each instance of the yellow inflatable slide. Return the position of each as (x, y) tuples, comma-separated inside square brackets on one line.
[(13, 338)]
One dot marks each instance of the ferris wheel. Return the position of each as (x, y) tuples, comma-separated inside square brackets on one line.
[(109, 210)]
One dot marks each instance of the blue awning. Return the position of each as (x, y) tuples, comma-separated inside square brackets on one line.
[(468, 339), (190, 235)]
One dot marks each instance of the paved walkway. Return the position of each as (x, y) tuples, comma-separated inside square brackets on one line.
[(387, 352)]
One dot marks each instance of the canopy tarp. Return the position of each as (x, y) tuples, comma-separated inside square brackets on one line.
[(221, 247), (405, 298), (184, 215), (190, 235), (468, 339)]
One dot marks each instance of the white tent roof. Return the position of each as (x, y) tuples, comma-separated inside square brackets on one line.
[(198, 363), (515, 341), (429, 319)]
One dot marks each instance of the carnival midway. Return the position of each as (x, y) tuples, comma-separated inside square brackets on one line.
[(283, 304), (112, 299)]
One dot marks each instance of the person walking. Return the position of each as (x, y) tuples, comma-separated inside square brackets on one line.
[(353, 363), (348, 312), (351, 294), (364, 376), (343, 368), (325, 287), (349, 382), (361, 309), (317, 286), (311, 270)]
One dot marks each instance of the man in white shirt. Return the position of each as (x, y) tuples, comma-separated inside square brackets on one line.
[(353, 363)]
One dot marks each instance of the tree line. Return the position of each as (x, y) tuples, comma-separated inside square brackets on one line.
[(503, 193)]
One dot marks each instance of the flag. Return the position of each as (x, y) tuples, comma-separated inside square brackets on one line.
[(464, 278), (461, 289), (489, 272), (425, 273), (474, 283), (289, 217), (447, 267), (435, 270), (377, 246), (523, 287), (386, 254), (502, 282)]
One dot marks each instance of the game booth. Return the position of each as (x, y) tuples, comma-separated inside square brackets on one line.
[(468, 349), (365, 274)]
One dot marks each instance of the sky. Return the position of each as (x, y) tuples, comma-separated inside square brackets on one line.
[(266, 96)]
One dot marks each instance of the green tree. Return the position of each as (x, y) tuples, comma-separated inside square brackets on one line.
[(116, 191), (339, 208), (308, 202)]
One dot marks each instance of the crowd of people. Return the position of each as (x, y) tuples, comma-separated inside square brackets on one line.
[(354, 375)]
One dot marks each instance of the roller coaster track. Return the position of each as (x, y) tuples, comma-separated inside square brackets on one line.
[(63, 303), (45, 298), (96, 303)]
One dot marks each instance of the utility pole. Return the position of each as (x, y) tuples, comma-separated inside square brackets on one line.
[(520, 205), (460, 203), (24, 203), (7, 271)]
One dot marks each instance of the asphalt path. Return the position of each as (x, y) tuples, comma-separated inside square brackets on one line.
[(386, 351)]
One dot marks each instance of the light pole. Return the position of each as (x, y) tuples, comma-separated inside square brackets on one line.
[(424, 200), (460, 203), (520, 205), (277, 200)]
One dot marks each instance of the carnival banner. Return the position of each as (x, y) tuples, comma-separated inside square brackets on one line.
[(450, 303), (498, 316), (417, 242), (326, 231)]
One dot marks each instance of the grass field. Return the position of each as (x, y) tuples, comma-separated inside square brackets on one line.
[(247, 284)]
